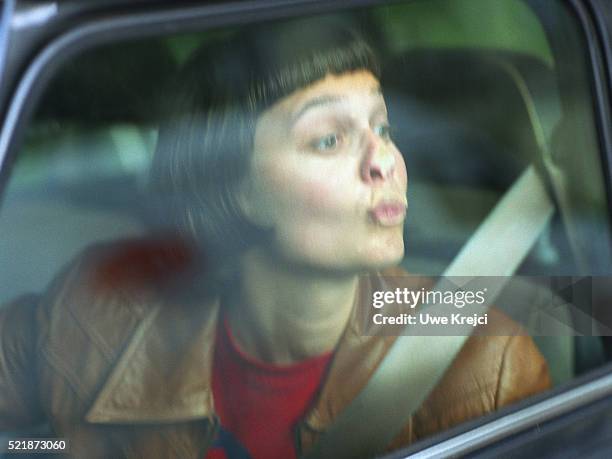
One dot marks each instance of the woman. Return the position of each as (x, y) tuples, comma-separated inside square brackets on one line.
[(244, 339)]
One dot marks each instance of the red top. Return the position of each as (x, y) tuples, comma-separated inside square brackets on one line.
[(259, 403)]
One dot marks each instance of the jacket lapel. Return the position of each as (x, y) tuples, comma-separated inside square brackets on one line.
[(164, 373), (361, 349), (355, 359)]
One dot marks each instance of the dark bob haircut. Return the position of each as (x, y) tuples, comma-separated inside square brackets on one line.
[(205, 145)]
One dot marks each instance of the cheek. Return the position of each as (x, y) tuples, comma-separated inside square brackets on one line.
[(308, 190), (318, 209), (319, 197), (401, 171)]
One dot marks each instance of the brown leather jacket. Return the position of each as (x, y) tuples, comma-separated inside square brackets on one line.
[(126, 372)]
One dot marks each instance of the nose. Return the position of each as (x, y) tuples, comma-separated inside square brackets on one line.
[(378, 162)]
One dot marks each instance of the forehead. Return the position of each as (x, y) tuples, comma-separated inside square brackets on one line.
[(360, 82)]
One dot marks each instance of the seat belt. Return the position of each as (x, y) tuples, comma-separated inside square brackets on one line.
[(415, 363)]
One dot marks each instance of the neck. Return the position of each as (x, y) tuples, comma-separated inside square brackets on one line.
[(284, 314)]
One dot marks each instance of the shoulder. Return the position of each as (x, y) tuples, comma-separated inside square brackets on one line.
[(117, 281), (18, 347), (124, 273), (497, 366), (93, 308)]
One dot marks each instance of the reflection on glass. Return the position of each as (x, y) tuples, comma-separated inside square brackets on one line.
[(217, 268)]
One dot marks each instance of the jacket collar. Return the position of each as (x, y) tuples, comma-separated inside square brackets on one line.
[(164, 373)]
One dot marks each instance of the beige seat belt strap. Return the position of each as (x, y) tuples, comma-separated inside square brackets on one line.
[(415, 363)]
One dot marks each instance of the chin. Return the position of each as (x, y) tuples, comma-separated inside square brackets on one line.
[(385, 258), (373, 254)]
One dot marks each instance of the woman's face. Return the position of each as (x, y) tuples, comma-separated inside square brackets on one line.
[(327, 178)]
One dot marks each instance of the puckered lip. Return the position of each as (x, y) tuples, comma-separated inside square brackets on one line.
[(388, 211)]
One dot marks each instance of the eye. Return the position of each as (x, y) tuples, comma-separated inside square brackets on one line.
[(383, 131), (326, 143)]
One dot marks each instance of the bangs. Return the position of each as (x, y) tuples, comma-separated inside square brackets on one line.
[(310, 65)]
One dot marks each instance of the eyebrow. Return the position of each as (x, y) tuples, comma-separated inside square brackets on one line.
[(324, 100), (316, 102)]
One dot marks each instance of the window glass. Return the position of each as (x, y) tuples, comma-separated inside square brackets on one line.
[(256, 174)]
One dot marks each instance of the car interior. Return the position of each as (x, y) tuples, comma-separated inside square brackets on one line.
[(468, 118)]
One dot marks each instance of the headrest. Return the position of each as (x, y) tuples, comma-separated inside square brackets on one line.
[(459, 115)]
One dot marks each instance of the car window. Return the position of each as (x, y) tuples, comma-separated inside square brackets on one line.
[(112, 160)]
